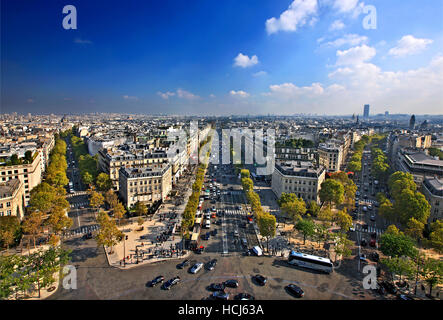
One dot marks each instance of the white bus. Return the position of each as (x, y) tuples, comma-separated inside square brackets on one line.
[(310, 261)]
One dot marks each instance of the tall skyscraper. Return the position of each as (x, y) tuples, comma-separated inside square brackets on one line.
[(366, 111), (412, 122)]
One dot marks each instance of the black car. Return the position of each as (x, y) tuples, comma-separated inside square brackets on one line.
[(364, 243), (206, 236), (220, 295), (156, 281), (244, 296), (380, 289), (171, 282), (404, 297), (231, 283), (183, 264), (295, 290), (216, 287), (199, 250), (375, 256), (211, 264), (261, 280), (214, 232)]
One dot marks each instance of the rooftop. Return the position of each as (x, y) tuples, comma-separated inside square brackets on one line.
[(8, 188)]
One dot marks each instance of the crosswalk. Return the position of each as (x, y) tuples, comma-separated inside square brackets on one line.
[(370, 229), (79, 204), (81, 231), (233, 212)]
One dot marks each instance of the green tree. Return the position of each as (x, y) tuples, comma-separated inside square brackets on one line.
[(96, 200), (392, 229), (415, 229), (436, 236), (432, 272), (399, 181), (294, 209), (140, 208), (10, 225), (58, 220), (343, 246), (313, 208), (399, 266), (140, 221), (332, 191), (306, 227), (267, 226), (343, 220), (108, 235), (286, 197), (397, 245), (103, 182), (412, 204), (32, 224), (119, 211), (111, 198), (87, 178)]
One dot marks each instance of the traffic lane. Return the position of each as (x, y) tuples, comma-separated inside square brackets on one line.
[(93, 277)]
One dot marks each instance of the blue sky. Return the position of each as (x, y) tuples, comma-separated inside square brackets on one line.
[(222, 57)]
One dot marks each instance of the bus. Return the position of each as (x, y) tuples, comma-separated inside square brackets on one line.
[(310, 261)]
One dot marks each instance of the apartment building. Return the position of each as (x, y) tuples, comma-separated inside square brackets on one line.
[(302, 178), (148, 184), (30, 174), (432, 188), (419, 164), (330, 156), (12, 198)]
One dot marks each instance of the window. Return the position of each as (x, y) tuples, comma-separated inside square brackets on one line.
[(8, 204), (1, 205)]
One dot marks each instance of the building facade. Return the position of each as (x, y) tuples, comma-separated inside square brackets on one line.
[(29, 174), (300, 178), (432, 188), (12, 198), (147, 185), (330, 156)]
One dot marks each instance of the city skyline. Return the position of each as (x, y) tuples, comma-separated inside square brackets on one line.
[(287, 57)]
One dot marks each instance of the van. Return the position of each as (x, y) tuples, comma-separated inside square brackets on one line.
[(257, 251), (208, 224)]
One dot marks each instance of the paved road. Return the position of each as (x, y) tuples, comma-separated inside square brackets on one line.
[(96, 280)]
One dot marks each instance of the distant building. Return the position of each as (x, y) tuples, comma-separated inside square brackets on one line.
[(412, 122), (419, 164), (432, 189), (148, 185), (386, 114), (12, 198), (366, 111), (298, 177)]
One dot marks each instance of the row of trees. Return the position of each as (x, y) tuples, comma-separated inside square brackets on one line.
[(21, 275), (405, 260), (295, 143), (266, 222), (188, 217), (380, 166), (87, 164)]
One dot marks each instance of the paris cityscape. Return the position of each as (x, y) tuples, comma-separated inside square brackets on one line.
[(242, 150)]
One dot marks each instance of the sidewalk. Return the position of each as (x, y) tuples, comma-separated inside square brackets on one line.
[(145, 243)]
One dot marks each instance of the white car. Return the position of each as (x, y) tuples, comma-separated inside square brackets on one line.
[(196, 267), (365, 208), (352, 229)]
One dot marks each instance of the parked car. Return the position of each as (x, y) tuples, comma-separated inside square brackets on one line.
[(171, 282), (261, 280), (216, 287), (220, 295), (244, 296), (372, 217), (295, 290), (231, 283), (155, 281), (211, 264), (196, 267), (214, 232), (183, 264), (404, 297), (363, 243), (375, 256), (206, 236)]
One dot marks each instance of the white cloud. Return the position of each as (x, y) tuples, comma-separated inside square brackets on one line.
[(347, 39), (212, 95), (186, 95), (288, 89), (82, 41), (260, 73), (298, 13), (244, 61), (355, 55), (166, 95), (345, 5), (126, 97), (336, 25), (409, 45), (239, 93)]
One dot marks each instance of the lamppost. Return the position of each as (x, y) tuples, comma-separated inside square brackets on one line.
[(124, 250)]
